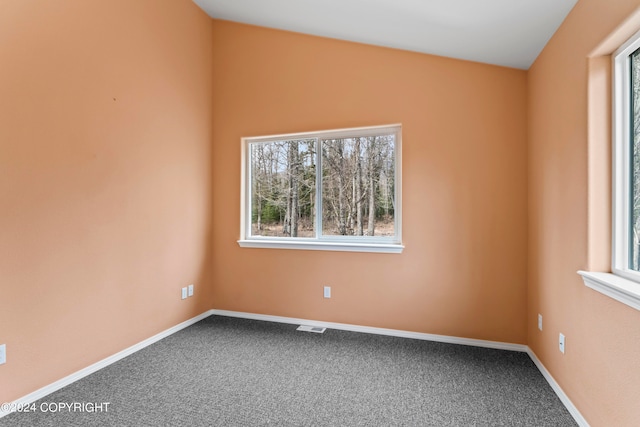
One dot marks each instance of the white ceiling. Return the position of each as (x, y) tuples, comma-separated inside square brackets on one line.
[(503, 32)]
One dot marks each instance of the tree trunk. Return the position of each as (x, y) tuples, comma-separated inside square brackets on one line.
[(342, 205), (371, 225), (291, 217), (358, 189)]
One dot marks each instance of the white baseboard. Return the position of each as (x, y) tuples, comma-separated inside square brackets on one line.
[(577, 416), (377, 331), (44, 391)]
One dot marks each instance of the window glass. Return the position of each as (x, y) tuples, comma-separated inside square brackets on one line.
[(358, 186), (634, 175), (283, 188)]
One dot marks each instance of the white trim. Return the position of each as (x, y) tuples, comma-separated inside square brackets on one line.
[(46, 390), (620, 157), (328, 134), (373, 330), (577, 416), (398, 185), (619, 288), (318, 218), (245, 181), (322, 246)]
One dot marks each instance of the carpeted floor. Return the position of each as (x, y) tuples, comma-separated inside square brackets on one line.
[(234, 372)]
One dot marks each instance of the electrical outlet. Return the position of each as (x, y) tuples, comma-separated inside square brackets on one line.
[(3, 354), (190, 290), (184, 293), (561, 343), (327, 291), (539, 321)]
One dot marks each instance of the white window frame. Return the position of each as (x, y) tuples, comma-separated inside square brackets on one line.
[(621, 159), (623, 283), (379, 244)]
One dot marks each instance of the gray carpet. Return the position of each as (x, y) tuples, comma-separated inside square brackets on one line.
[(234, 372)]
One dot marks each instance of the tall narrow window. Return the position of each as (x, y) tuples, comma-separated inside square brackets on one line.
[(623, 283), (626, 144), (332, 190)]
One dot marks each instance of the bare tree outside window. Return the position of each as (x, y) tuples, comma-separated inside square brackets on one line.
[(358, 186), (348, 184), (283, 188)]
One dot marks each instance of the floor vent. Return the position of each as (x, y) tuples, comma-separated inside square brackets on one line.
[(316, 329)]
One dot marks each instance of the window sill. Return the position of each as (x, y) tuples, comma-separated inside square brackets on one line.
[(624, 290), (387, 248)]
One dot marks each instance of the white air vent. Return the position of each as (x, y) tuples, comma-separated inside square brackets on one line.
[(316, 329)]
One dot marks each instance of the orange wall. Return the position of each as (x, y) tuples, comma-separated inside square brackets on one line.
[(569, 229), (105, 179), (463, 271)]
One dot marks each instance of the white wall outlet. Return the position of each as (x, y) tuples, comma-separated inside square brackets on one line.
[(3, 354), (190, 290), (327, 291), (184, 293), (561, 343), (539, 321)]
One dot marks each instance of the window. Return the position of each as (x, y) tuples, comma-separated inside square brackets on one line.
[(329, 190), (623, 283), (626, 179)]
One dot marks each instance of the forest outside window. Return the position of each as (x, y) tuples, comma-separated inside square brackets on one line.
[(328, 190)]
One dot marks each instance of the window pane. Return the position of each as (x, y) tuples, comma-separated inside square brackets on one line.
[(634, 175), (283, 188), (358, 188)]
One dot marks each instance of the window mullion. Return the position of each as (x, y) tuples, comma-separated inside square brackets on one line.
[(318, 188)]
